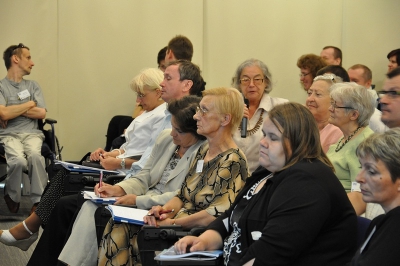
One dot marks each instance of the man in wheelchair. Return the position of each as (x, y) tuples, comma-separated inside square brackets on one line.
[(21, 105)]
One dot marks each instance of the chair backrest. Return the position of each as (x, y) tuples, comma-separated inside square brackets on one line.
[(362, 226)]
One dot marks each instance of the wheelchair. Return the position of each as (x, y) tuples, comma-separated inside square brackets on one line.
[(50, 148)]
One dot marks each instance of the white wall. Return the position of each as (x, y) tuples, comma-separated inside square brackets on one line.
[(87, 51)]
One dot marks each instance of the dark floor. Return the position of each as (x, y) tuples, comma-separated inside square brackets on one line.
[(12, 256)]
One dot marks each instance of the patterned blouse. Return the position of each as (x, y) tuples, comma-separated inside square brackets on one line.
[(214, 185)]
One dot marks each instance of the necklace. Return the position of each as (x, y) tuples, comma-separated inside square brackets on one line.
[(347, 140), (256, 127), (176, 153)]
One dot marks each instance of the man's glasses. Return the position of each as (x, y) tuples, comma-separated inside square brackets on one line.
[(390, 94), (302, 75), (333, 104), (246, 81), (21, 45)]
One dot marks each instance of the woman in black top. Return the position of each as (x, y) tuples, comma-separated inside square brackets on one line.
[(379, 180), (293, 210)]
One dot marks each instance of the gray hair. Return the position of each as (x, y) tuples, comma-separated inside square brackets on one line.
[(357, 97), (385, 147), (253, 62), (329, 78)]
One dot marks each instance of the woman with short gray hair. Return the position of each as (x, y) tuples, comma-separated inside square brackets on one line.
[(379, 180), (350, 110), (253, 79)]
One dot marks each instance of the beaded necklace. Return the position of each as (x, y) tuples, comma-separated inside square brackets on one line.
[(256, 127), (347, 140)]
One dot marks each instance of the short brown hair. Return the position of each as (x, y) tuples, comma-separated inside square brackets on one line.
[(367, 75), (182, 47), (13, 50), (337, 53), (312, 62)]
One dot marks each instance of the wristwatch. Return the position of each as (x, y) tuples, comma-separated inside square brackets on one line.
[(123, 163)]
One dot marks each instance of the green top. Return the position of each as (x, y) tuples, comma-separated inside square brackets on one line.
[(346, 161)]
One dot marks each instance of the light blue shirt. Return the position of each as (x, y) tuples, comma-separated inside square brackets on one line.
[(137, 166)]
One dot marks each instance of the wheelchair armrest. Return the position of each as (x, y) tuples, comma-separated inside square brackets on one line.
[(50, 121)]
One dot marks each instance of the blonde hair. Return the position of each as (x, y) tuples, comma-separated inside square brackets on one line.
[(149, 78), (228, 101)]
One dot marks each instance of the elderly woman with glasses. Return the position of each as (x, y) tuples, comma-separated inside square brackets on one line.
[(379, 180), (309, 65), (215, 176), (318, 102), (351, 108), (253, 79)]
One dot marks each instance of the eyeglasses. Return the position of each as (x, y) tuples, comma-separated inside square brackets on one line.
[(390, 94), (246, 81), (142, 95), (201, 111), (21, 45), (301, 75), (333, 104)]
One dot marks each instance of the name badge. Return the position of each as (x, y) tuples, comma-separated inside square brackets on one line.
[(23, 94), (355, 186), (199, 167)]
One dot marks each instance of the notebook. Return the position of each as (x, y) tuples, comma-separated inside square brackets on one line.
[(169, 254), (90, 195), (83, 169), (127, 215)]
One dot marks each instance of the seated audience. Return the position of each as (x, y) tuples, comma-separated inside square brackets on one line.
[(156, 184), (332, 55), (181, 78), (390, 99), (351, 108), (292, 210), (318, 102), (215, 177), (309, 65), (253, 79), (394, 59), (24, 234), (379, 180)]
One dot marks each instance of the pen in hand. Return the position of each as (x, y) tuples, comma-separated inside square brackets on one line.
[(100, 181)]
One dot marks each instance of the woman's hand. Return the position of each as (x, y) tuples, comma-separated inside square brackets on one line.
[(95, 156), (189, 243), (110, 163), (107, 190), (129, 199)]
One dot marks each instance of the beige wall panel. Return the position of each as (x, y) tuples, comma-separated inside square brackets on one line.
[(276, 32), (370, 32), (103, 45)]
